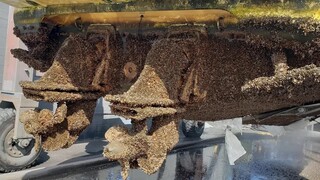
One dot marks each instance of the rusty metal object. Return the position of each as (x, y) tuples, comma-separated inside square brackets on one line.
[(130, 70)]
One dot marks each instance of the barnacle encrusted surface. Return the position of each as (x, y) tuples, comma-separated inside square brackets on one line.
[(62, 128), (219, 76), (139, 148), (42, 47), (193, 75), (85, 68), (73, 68)]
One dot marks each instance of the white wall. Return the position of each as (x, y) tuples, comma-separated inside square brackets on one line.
[(4, 10)]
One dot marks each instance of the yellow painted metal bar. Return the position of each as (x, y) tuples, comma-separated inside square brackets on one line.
[(153, 18), (66, 12)]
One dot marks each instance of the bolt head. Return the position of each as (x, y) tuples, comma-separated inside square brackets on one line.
[(24, 143), (302, 110)]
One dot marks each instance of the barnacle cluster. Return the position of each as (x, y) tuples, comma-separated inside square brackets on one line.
[(185, 72)]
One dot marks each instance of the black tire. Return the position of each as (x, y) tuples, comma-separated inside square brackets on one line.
[(9, 163), (194, 130)]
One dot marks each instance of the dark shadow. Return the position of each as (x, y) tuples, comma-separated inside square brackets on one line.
[(95, 147), (43, 157), (72, 171), (82, 158)]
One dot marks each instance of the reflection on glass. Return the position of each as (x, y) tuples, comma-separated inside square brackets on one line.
[(288, 157), (189, 165)]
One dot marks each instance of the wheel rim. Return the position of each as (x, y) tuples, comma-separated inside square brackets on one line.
[(10, 147), (12, 155)]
